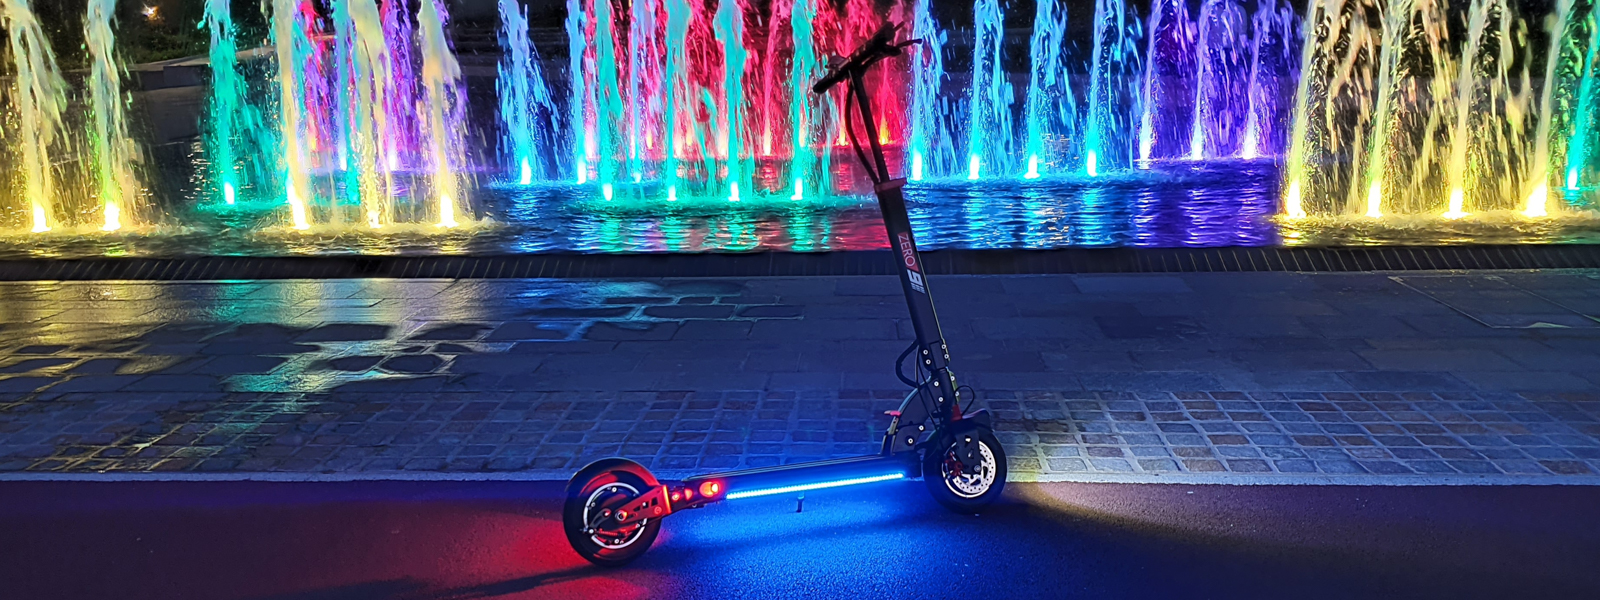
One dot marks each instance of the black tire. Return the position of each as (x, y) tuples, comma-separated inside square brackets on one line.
[(606, 484), (965, 493)]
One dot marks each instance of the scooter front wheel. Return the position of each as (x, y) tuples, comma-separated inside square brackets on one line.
[(593, 494), (960, 488)]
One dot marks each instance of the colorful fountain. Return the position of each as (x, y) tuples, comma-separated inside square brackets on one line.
[(1349, 110)]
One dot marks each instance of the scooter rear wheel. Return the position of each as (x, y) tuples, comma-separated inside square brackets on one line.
[(601, 487), (958, 488)]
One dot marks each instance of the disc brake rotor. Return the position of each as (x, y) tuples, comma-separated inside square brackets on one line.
[(969, 483)]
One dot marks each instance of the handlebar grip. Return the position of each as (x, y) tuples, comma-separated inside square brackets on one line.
[(827, 82), (880, 44)]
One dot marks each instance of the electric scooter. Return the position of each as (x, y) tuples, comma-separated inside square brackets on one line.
[(614, 507)]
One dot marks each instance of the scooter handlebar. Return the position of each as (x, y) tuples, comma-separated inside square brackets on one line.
[(881, 45)]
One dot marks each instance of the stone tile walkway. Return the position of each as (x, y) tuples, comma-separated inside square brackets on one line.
[(1209, 377)]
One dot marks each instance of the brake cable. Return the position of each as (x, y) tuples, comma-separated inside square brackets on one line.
[(850, 130), (900, 365)]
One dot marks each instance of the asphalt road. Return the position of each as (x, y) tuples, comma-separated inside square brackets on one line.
[(456, 540)]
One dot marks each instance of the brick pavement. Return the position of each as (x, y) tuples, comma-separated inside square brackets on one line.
[(1209, 377)]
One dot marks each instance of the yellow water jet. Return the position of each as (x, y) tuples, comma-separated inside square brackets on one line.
[(1457, 202), (1536, 202), (1291, 202)]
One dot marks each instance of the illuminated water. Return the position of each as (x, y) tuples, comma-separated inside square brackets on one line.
[(671, 125), (39, 97), (1178, 204)]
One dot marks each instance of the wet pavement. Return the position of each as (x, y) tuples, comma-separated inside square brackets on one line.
[(454, 541), (1193, 377)]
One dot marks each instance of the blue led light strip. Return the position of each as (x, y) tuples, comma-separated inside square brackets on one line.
[(814, 486)]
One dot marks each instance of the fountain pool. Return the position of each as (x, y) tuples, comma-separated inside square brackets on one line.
[(592, 126)]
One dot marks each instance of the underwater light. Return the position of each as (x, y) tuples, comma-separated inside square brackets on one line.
[(527, 172), (297, 209), (1572, 179), (447, 212), (972, 168), (113, 217), (1291, 202), (1374, 201), (814, 486), (605, 190), (1457, 199), (1089, 165), (1033, 167), (227, 193), (916, 167), (1536, 202), (40, 223), (672, 193), (733, 192), (799, 189)]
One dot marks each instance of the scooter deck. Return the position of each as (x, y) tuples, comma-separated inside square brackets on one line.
[(751, 482)]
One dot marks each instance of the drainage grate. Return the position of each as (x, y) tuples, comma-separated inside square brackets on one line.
[(971, 262)]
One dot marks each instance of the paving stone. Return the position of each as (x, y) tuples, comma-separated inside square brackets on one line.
[(585, 379), (612, 331), (345, 332), (530, 330), (419, 363), (451, 332)]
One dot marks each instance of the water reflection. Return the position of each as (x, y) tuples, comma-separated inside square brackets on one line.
[(1172, 204)]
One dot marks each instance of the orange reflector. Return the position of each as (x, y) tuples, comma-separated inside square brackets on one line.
[(675, 496), (710, 488)]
